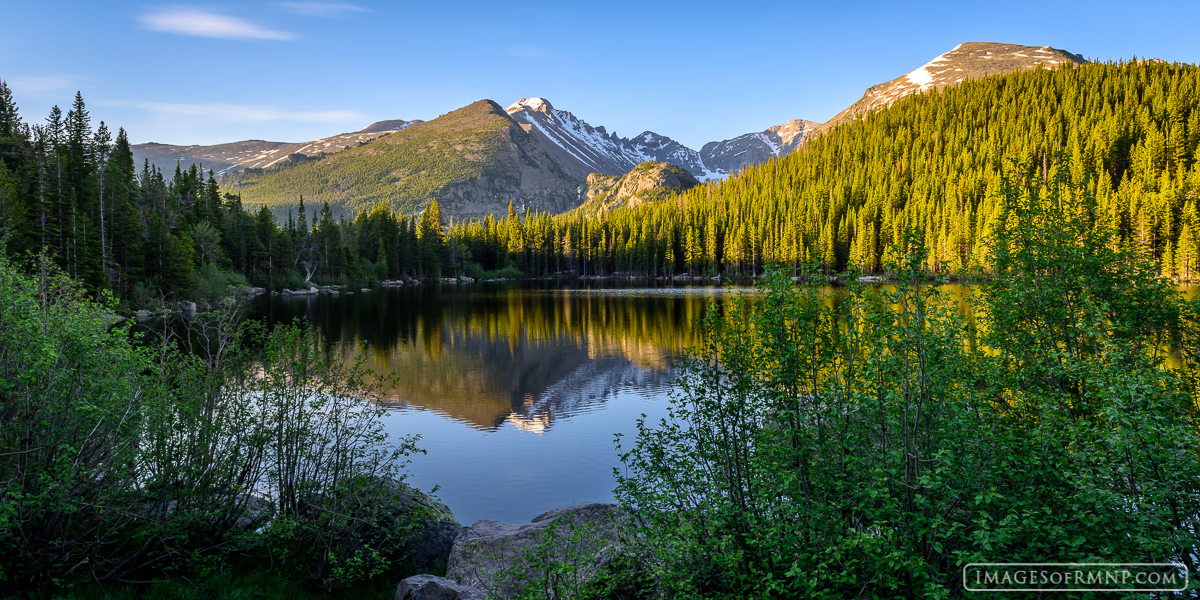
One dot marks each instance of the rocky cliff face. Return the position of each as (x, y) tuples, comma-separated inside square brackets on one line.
[(650, 181), (971, 60), (583, 149)]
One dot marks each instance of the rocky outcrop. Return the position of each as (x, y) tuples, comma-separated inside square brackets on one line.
[(257, 512), (500, 557), (582, 149), (430, 587), (647, 182), (312, 291)]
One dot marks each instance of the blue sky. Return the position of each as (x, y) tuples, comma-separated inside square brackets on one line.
[(211, 72)]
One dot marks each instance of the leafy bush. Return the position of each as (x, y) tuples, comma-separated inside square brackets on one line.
[(214, 444), (211, 283), (874, 446), (510, 272), (70, 426)]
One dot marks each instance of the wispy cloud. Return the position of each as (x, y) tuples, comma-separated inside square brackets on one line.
[(198, 22), (321, 9), (240, 113), (41, 84)]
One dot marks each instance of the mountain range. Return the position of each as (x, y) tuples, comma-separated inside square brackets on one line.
[(584, 149), (477, 159), (258, 154)]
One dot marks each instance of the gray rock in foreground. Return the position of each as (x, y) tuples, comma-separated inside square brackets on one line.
[(429, 587), (496, 556), (437, 526)]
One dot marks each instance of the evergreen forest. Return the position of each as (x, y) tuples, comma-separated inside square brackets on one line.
[(932, 162)]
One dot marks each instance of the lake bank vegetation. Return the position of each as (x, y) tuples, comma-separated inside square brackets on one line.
[(220, 452), (874, 448)]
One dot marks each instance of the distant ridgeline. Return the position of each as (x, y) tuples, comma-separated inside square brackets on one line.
[(933, 161)]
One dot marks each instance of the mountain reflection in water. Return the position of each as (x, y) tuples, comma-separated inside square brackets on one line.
[(517, 389), (488, 354)]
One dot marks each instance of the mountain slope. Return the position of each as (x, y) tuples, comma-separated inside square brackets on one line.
[(939, 164), (389, 125), (257, 154), (474, 161), (971, 60)]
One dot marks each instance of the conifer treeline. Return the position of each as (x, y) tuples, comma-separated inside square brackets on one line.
[(76, 195), (932, 161), (935, 162)]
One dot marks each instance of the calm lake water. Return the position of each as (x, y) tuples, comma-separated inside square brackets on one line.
[(516, 388)]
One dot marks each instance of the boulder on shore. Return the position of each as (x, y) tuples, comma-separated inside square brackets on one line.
[(430, 587), (257, 513), (493, 555), (437, 528)]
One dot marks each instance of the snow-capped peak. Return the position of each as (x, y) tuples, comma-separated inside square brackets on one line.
[(583, 149), (923, 77), (535, 104)]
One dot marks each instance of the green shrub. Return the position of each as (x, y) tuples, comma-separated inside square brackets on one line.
[(873, 447), (211, 283), (214, 445), (70, 424), (510, 272)]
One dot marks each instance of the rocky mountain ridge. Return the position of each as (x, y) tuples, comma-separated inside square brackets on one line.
[(585, 149), (473, 161), (970, 60), (228, 158)]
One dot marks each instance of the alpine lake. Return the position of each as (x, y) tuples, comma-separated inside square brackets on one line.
[(518, 389)]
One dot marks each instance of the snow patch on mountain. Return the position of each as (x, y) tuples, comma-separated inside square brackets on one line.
[(541, 105), (970, 60), (585, 149)]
